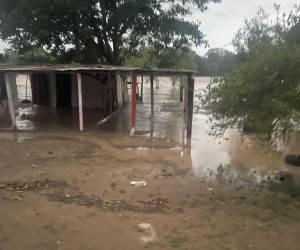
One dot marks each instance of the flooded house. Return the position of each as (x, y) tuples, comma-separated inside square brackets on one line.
[(80, 95)]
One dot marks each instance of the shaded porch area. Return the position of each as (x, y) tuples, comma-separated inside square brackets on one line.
[(87, 97)]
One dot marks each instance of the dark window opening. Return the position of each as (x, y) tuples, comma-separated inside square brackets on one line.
[(63, 91)]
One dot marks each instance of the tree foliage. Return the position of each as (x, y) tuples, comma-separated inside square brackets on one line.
[(99, 30), (183, 58), (216, 62), (261, 94), (219, 61)]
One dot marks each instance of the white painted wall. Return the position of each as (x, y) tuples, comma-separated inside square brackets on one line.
[(120, 91), (13, 84)]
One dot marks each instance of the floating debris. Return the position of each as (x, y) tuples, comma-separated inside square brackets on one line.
[(35, 185), (167, 171), (13, 198), (138, 183)]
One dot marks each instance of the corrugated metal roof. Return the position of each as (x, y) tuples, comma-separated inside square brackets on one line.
[(27, 68)]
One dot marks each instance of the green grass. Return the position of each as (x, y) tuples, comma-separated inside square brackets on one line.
[(177, 240)]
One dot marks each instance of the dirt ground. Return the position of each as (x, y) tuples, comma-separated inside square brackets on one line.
[(72, 191)]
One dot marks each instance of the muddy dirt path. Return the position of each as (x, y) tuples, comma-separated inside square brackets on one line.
[(72, 191)]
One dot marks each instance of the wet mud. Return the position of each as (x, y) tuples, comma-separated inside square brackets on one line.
[(73, 191)]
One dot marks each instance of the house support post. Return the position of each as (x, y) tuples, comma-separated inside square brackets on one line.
[(190, 105), (80, 108), (142, 88), (110, 93), (10, 99), (133, 104), (181, 90), (152, 94)]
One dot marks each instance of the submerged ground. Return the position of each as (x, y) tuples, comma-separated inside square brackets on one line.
[(65, 190)]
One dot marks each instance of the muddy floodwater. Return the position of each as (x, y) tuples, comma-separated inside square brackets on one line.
[(102, 189)]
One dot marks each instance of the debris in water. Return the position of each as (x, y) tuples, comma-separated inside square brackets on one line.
[(132, 132), (36, 185), (138, 183), (148, 232), (26, 101), (3, 185), (20, 140), (14, 198), (293, 160), (167, 171)]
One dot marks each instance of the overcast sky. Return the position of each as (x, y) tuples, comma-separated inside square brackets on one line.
[(221, 21)]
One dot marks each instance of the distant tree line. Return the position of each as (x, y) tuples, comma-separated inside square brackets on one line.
[(216, 62)]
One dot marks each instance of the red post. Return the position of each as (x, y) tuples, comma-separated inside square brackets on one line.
[(133, 104)]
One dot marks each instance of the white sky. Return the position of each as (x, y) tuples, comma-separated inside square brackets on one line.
[(221, 21), (2, 46)]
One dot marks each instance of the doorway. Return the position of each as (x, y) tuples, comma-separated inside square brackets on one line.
[(63, 91)]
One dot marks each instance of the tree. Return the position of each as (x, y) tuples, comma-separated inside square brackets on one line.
[(219, 61), (147, 57), (99, 30), (261, 94)]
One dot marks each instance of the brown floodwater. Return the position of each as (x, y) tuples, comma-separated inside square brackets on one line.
[(237, 157)]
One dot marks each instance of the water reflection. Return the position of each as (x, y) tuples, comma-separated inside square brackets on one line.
[(230, 159), (240, 159)]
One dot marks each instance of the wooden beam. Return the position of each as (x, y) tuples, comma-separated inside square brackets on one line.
[(80, 108), (10, 100), (190, 105), (152, 94), (133, 105)]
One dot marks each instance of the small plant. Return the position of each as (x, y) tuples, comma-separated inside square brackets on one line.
[(177, 240)]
